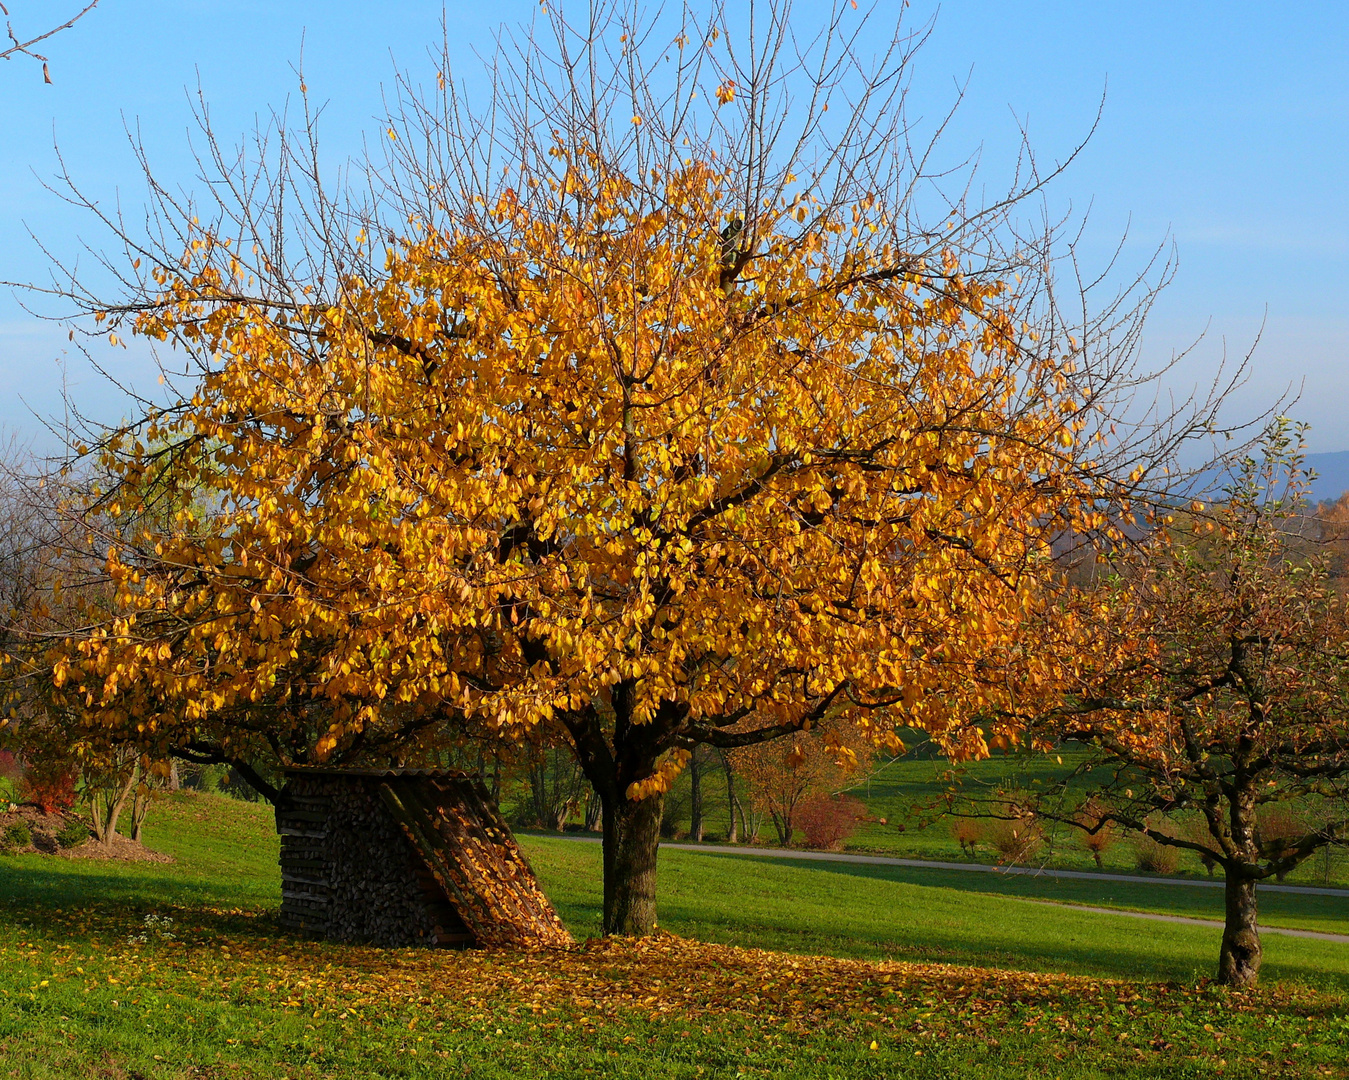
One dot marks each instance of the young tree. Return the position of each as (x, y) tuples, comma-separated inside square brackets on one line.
[(110, 781), (1332, 527), (696, 767), (1227, 732), (31, 570), (781, 776), (556, 787), (636, 410), (733, 808)]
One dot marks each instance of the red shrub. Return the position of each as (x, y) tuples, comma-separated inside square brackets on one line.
[(826, 822), (49, 790), (9, 766), (1098, 843)]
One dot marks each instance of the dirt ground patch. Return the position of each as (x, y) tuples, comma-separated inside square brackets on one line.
[(53, 833), (44, 828), (119, 848)]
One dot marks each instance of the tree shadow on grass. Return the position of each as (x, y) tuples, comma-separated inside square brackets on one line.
[(67, 880), (931, 923), (93, 901)]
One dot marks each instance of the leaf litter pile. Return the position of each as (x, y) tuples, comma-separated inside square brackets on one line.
[(237, 997)]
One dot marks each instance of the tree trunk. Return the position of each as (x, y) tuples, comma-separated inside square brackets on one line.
[(1239, 962), (538, 795), (732, 833), (593, 818), (561, 815), (631, 839), (105, 808), (749, 823), (113, 802), (696, 807), (140, 807)]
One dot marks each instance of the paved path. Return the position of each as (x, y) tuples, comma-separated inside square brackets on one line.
[(978, 868), (1214, 923)]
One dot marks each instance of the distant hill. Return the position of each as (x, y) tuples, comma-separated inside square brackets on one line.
[(1332, 475), (1332, 478)]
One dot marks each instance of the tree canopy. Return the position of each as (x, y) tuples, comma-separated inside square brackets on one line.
[(1215, 699), (624, 413)]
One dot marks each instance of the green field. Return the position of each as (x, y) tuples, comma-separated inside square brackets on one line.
[(909, 794), (946, 974)]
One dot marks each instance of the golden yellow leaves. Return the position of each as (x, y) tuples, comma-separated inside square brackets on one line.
[(662, 779), (554, 453), (726, 92)]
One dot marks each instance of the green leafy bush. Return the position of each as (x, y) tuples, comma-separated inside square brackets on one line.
[(13, 837), (211, 779), (73, 832), (17, 835)]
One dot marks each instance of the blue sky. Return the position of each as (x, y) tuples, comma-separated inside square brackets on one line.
[(1225, 128)]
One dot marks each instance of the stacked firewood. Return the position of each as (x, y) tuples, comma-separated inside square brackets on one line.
[(303, 825), (375, 896), (397, 859), (348, 873)]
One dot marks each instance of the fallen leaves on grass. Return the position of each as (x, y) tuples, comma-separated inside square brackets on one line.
[(667, 983), (662, 974)]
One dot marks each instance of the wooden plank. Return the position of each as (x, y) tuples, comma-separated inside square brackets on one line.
[(471, 822), (317, 814), (301, 879), (317, 895)]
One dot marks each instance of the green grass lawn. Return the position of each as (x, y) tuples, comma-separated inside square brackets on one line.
[(874, 912), (936, 975), (225, 851), (1328, 914)]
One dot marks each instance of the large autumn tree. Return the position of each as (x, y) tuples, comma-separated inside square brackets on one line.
[(638, 408)]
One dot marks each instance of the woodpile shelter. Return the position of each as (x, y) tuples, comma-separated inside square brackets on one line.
[(398, 857)]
